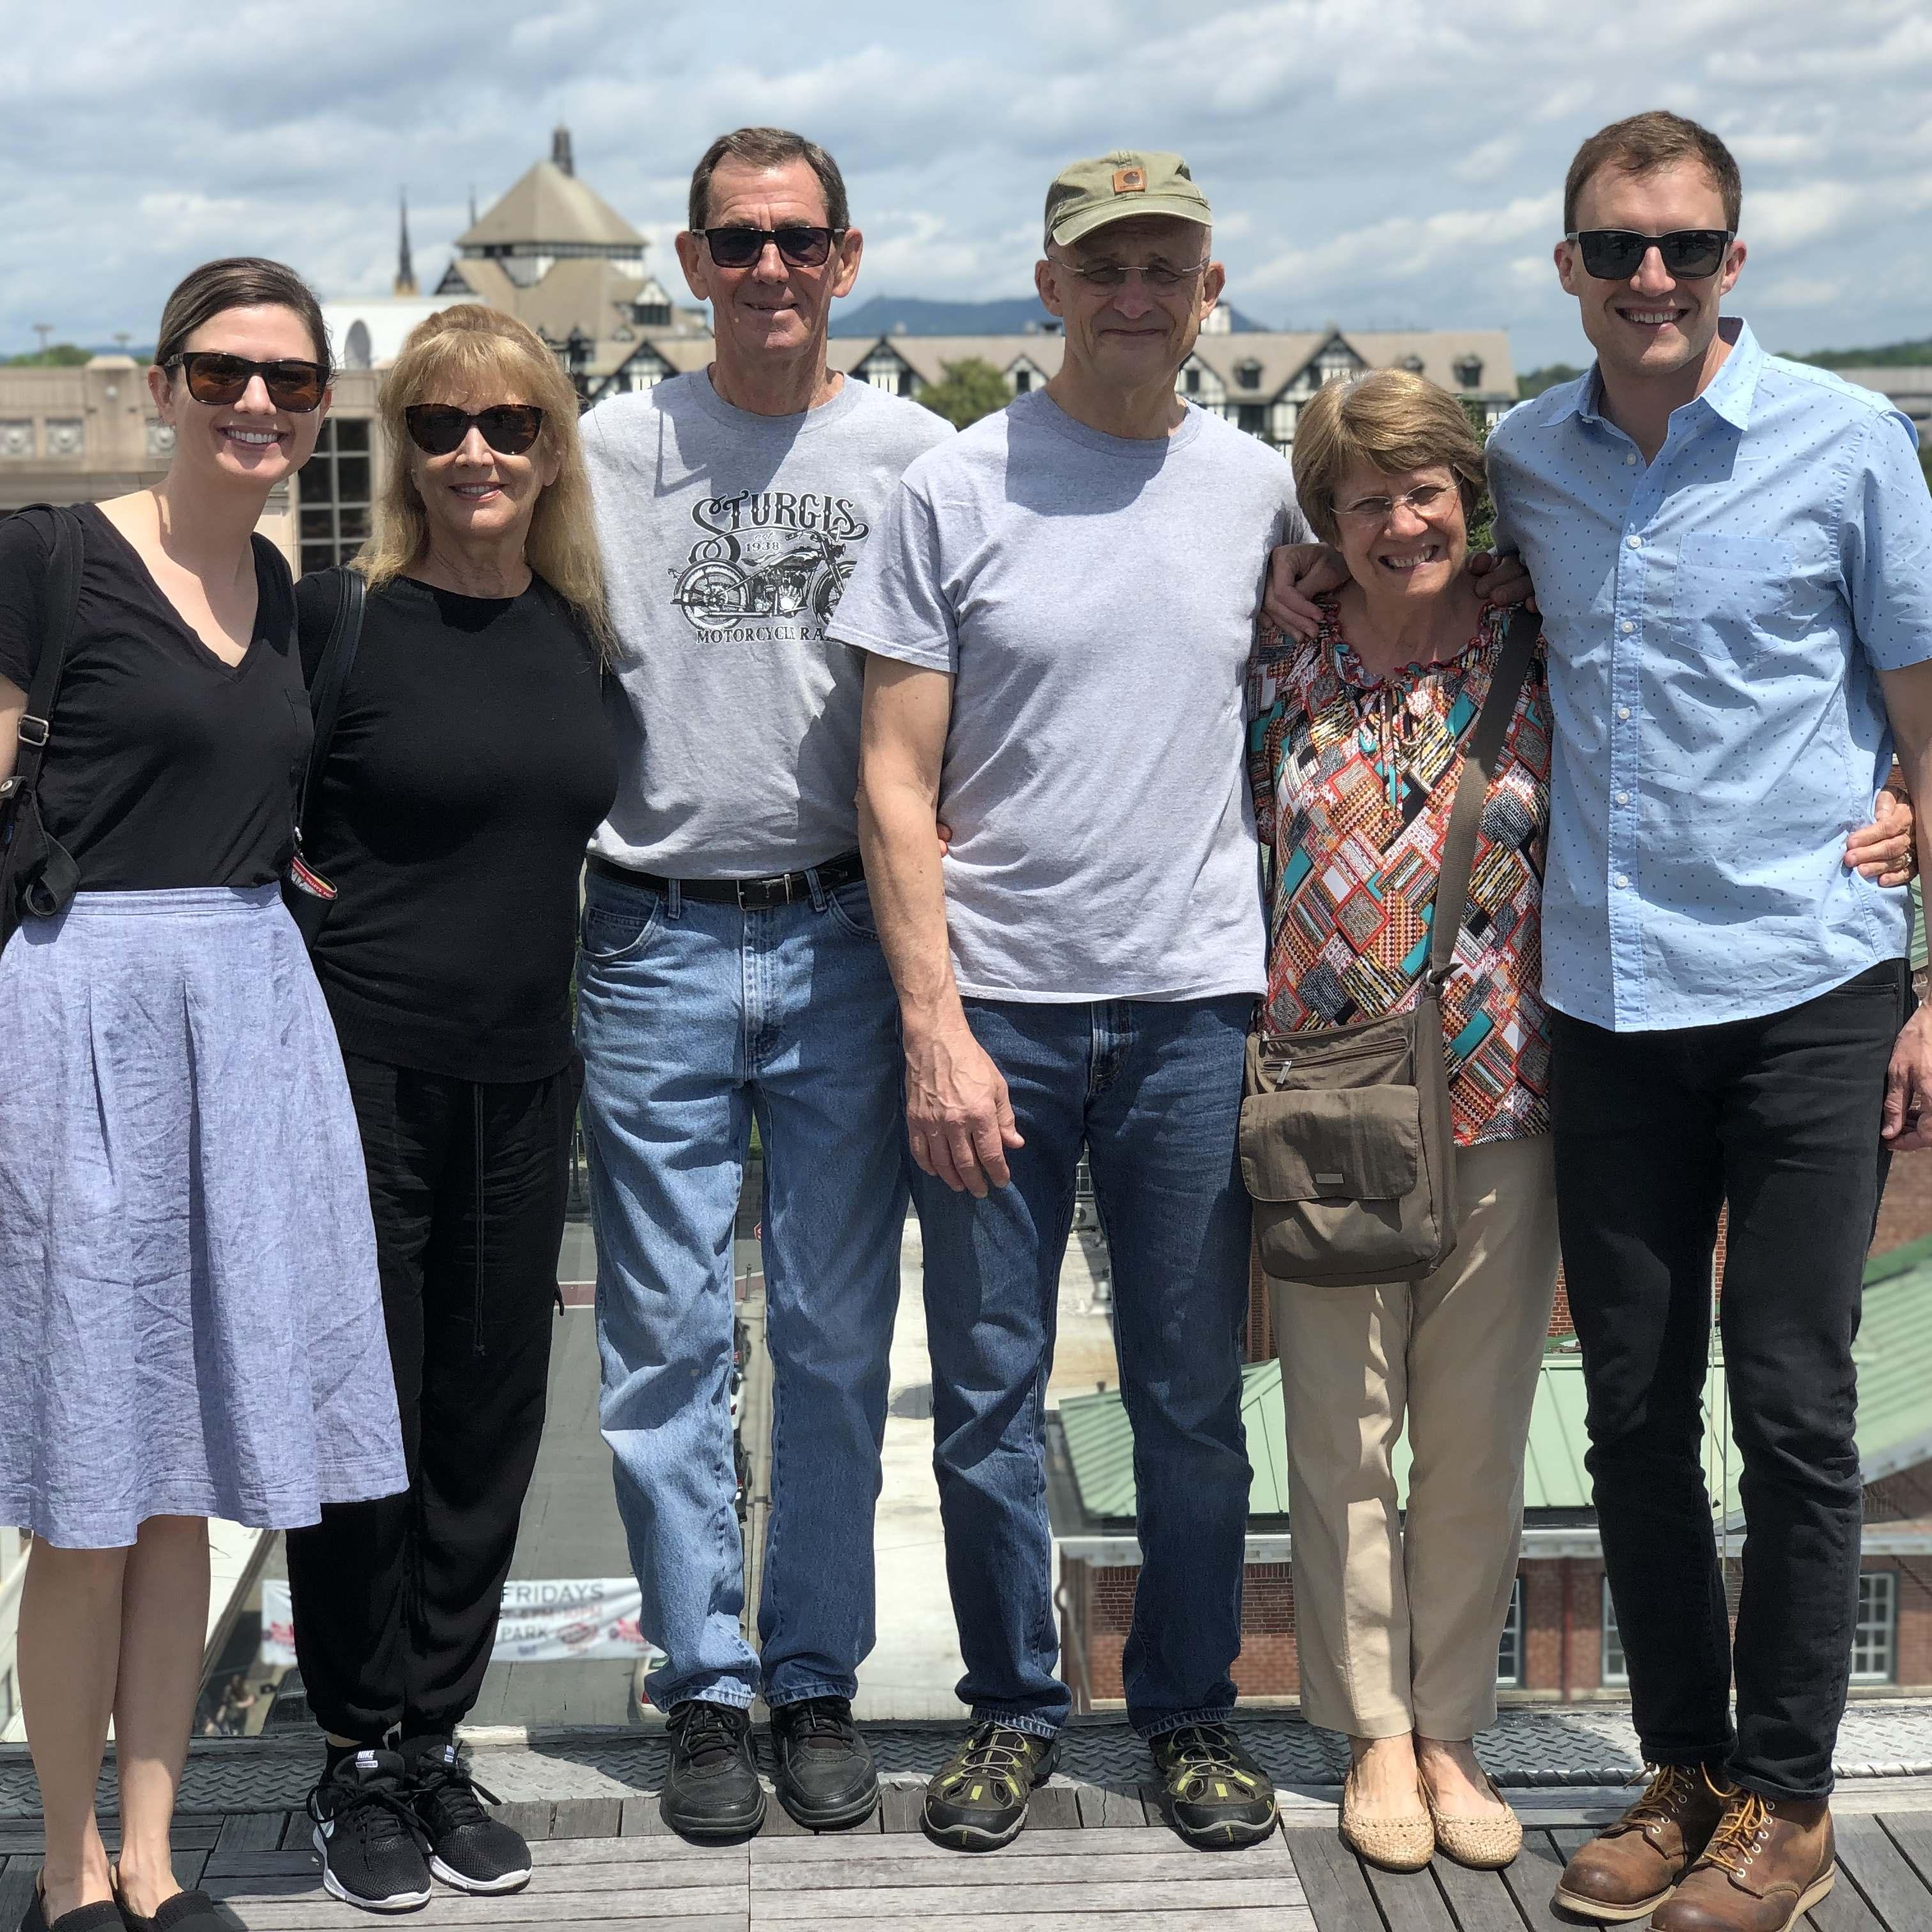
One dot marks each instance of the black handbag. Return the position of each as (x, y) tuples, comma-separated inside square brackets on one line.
[(38, 874), (309, 897)]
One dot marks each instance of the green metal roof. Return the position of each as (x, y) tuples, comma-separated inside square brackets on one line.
[(1895, 1358)]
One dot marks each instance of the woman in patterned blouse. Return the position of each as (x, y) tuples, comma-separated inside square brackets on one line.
[(1356, 751)]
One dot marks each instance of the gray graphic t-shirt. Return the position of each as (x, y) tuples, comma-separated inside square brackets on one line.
[(1094, 598), (727, 538)]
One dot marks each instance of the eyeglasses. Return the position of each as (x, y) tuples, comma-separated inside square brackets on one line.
[(740, 247), (508, 428), (1616, 254), (1378, 510), (213, 377), (1111, 276)]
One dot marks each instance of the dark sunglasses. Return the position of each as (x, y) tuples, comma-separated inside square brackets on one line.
[(213, 377), (508, 428), (1616, 254), (740, 247)]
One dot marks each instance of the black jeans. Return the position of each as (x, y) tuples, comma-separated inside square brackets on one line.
[(1779, 1116), (396, 1601)]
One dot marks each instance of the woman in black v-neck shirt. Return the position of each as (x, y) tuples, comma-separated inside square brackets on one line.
[(471, 761), (190, 1320)]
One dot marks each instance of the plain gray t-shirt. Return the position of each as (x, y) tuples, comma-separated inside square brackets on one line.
[(1094, 598), (727, 539)]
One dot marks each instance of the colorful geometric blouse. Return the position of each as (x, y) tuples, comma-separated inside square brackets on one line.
[(1353, 781)]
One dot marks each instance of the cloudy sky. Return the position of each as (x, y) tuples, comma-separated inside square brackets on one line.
[(1380, 162)]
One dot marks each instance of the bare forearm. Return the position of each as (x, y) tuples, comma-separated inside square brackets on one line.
[(908, 892)]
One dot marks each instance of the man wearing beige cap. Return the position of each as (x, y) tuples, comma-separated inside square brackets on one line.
[(1058, 605)]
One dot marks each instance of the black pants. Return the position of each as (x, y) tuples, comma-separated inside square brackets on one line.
[(1779, 1117), (396, 1601)]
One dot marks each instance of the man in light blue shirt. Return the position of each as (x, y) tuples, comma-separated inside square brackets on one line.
[(1733, 554)]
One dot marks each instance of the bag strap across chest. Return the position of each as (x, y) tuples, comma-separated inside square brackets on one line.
[(1479, 755), (62, 598)]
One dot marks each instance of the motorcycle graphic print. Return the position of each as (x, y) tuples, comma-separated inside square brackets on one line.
[(769, 566)]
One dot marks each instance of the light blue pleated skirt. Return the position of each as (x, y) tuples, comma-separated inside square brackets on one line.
[(191, 1323)]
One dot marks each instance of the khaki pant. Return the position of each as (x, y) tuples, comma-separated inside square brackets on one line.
[(1397, 1622)]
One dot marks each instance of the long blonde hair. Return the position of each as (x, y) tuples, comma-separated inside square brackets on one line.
[(469, 350)]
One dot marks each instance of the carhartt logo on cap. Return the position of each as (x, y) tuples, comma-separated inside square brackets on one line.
[(1130, 181)]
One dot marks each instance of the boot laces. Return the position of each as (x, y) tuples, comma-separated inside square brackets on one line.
[(376, 1813), (1742, 1832), (1200, 1752), (997, 1755), (1671, 1787)]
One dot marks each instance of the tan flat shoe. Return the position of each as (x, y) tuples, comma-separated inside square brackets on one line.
[(1394, 1844), (1486, 1843)]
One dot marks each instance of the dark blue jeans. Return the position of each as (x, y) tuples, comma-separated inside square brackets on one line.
[(1153, 1091)]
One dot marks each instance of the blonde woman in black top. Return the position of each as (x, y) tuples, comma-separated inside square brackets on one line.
[(471, 761)]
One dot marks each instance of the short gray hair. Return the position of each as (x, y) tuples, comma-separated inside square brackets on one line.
[(769, 148)]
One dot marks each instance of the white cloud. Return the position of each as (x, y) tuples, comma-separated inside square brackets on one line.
[(1398, 162)]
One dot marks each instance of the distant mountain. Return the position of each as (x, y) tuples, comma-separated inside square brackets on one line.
[(915, 315), (1891, 355)]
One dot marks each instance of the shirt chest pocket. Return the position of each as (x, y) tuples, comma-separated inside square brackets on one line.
[(1736, 590)]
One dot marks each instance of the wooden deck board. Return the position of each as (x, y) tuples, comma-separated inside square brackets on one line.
[(1532, 1879), (1333, 1884), (1479, 1901), (1897, 1895), (1410, 1901), (1843, 1910), (994, 1870), (1129, 1892), (1105, 1808)]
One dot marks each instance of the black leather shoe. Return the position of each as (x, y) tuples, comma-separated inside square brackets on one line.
[(186, 1912), (825, 1776), (712, 1791)]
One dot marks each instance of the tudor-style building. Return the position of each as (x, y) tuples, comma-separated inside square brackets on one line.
[(1258, 378)]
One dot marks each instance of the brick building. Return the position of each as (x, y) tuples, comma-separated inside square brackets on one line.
[(1561, 1643)]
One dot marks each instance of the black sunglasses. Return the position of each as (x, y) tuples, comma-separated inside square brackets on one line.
[(1616, 254), (213, 377), (508, 428), (740, 247)]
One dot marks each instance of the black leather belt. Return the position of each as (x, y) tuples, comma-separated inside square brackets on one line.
[(747, 895)]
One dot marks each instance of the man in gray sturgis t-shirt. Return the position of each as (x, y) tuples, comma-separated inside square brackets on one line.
[(1059, 604), (730, 972)]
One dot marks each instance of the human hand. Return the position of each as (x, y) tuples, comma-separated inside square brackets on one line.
[(1886, 850), (1907, 1123), (1298, 573), (1503, 578), (959, 1117)]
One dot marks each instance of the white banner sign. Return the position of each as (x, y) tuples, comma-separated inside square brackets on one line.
[(580, 1619)]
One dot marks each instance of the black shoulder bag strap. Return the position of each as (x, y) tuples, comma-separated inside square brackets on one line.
[(37, 873), (62, 594), (331, 680), (1472, 788)]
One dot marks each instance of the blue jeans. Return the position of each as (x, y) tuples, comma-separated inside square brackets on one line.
[(1153, 1091), (694, 1020)]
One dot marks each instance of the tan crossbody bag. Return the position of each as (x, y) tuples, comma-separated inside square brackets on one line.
[(1346, 1140)]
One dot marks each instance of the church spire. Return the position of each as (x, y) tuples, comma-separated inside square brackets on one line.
[(406, 274), (559, 151)]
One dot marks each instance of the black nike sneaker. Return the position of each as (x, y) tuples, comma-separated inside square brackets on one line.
[(1213, 1792), (978, 1801), (371, 1845), (825, 1775), (467, 1847), (713, 1791)]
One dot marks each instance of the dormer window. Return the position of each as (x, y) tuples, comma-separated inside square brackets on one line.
[(1248, 374), (1469, 371)]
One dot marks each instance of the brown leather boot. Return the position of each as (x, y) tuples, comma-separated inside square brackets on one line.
[(1632, 1867), (1768, 1863)]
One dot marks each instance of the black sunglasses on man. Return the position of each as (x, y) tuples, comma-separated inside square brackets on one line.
[(1616, 254), (803, 247)]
